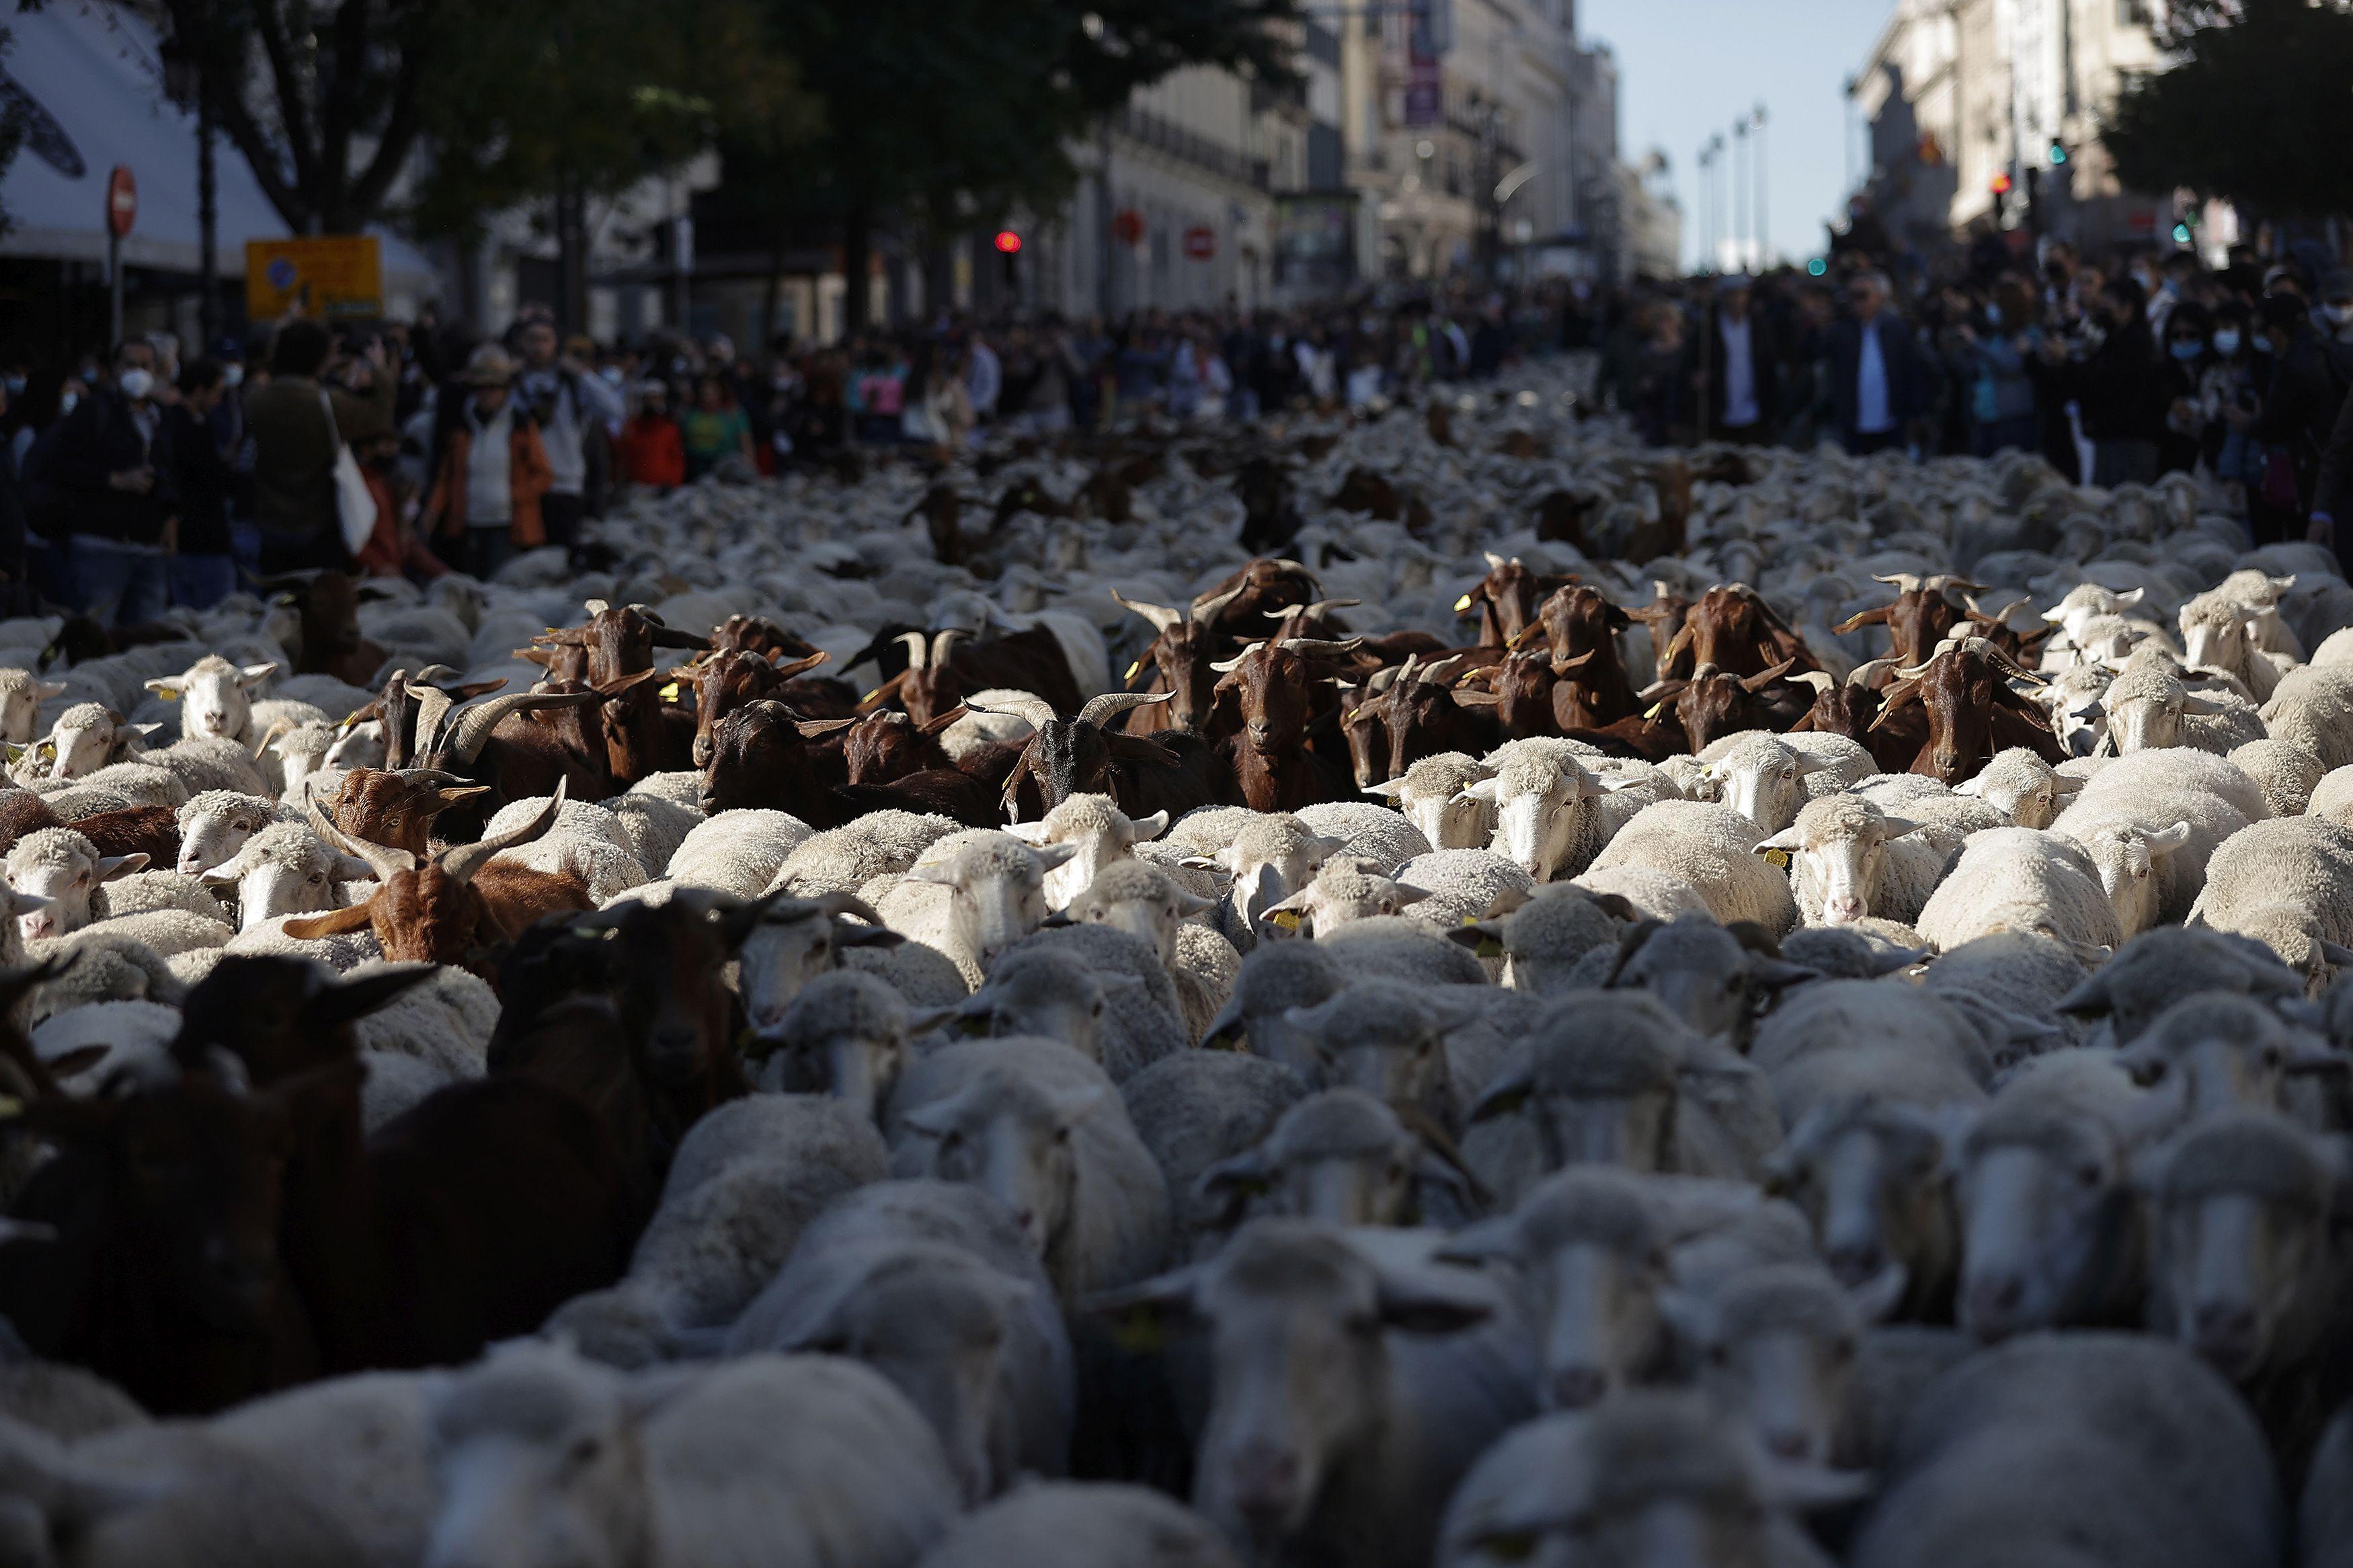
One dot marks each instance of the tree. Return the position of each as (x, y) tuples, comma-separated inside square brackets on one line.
[(320, 97), (15, 120), (946, 110), (2257, 111), (573, 98)]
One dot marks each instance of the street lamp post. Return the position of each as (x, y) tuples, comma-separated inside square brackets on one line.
[(1706, 162), (1763, 167), (1740, 212)]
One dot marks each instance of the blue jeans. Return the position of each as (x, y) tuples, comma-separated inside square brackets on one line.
[(200, 581), (117, 588)]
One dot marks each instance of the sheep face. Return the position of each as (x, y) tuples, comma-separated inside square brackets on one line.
[(2144, 722), (2038, 1218), (1011, 1138), (935, 1322), (2221, 1052), (1593, 1285), (1099, 834), (1267, 869), (1777, 1351), (215, 697), (1870, 1179), (2216, 636), (997, 892), (359, 745), (1703, 974), (1536, 816), (2239, 1241), (20, 707), (1296, 1322), (538, 1467), (2128, 861), (212, 835), (301, 752), (1836, 854), (285, 869), (84, 745), (1343, 891), (1046, 997), (1764, 781), (62, 868)]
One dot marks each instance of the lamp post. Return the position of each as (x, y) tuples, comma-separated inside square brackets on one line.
[(1764, 179), (1706, 162), (184, 84), (1740, 209)]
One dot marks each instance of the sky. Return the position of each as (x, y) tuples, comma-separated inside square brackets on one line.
[(1686, 68)]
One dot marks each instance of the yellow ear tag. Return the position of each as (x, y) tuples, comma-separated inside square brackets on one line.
[(670, 693), (1654, 710), (169, 695), (1131, 670), (1778, 857), (1286, 919), (1462, 604), (872, 695)]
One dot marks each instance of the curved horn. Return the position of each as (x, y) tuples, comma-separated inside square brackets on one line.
[(439, 778), (1224, 666), (1819, 679), (1162, 617), (944, 644), (792, 667), (381, 859), (1317, 647), (1861, 674), (460, 861), (1021, 705), (472, 730), (1904, 582), (1209, 606), (1101, 710), (919, 649)]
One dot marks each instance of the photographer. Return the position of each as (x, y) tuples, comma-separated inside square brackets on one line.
[(573, 406)]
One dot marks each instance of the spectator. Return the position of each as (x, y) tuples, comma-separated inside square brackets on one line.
[(2298, 416), (2116, 382), (493, 472), (113, 461), (1881, 380), (652, 451), (573, 406), (714, 428), (300, 422), (203, 570), (1737, 367)]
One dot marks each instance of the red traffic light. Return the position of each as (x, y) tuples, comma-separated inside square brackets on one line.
[(2000, 184), (1008, 242)]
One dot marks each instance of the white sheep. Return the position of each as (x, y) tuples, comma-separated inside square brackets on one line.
[(1099, 832), (2020, 879), (1767, 777), (286, 869), (2313, 708), (216, 698), (1432, 796), (845, 859), (21, 696), (214, 825), (1712, 848), (60, 865)]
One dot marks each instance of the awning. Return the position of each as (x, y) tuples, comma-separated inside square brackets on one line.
[(88, 76)]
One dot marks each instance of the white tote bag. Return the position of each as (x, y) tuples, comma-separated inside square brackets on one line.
[(354, 502)]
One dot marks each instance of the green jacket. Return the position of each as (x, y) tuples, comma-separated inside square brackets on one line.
[(294, 448)]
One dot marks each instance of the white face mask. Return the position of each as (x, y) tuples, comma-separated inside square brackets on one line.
[(2341, 315), (233, 374), (136, 385), (2226, 343), (67, 403)]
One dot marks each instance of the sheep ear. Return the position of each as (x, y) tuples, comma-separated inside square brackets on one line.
[(1973, 787), (1482, 790), (1191, 903), (233, 869), (1388, 789), (351, 868), (1876, 1298), (1783, 842), (46, 689), (2167, 840), (1243, 1174), (1484, 938), (1052, 855), (16, 903), (2197, 702), (1897, 826), (113, 865), (2133, 598), (168, 687), (1507, 1091), (938, 876), (1494, 1240), (1146, 829), (1030, 832), (1407, 894), (1426, 1301), (144, 731), (253, 674), (1141, 1314)]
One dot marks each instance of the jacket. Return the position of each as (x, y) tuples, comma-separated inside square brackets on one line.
[(2118, 388), (1911, 378), (528, 478), (99, 438), (202, 480), (1766, 358), (295, 448), (394, 548), (654, 452)]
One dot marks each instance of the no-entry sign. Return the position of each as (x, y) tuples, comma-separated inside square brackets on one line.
[(122, 202), (1127, 226), (1201, 242)]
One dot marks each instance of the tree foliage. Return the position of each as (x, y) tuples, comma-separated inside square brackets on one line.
[(587, 97), (2257, 110), (322, 98), (950, 111)]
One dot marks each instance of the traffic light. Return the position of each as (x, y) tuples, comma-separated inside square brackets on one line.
[(2182, 234), (1008, 242), (1999, 186), (2058, 152), (1008, 248), (1816, 266)]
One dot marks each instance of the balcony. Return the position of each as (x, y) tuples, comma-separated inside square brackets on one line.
[(1166, 136)]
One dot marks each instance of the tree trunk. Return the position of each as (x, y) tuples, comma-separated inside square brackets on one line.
[(857, 249)]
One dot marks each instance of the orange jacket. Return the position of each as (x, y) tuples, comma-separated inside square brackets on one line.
[(528, 476), (654, 452)]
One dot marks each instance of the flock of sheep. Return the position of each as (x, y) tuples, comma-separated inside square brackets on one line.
[(1081, 1010)]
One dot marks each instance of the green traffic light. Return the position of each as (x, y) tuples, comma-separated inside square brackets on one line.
[(2058, 154), (2182, 234), (1817, 267)]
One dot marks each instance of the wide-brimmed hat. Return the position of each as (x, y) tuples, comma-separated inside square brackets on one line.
[(488, 366)]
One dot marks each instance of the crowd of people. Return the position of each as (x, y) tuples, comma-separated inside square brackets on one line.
[(2116, 369), (153, 479)]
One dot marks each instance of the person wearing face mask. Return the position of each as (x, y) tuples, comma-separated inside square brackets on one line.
[(114, 460), (2117, 387), (2180, 375), (2298, 414)]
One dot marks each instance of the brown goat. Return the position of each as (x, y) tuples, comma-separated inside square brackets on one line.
[(496, 744), (329, 605), (1733, 628), (1923, 611), (1507, 600), (948, 665), (1276, 684), (1580, 631), (1972, 712), (1420, 714), (1179, 656), (1174, 770), (23, 812), (395, 807), (763, 755), (729, 677), (644, 734), (149, 830), (452, 908)]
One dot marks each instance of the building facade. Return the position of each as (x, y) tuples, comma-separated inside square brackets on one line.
[(1990, 110)]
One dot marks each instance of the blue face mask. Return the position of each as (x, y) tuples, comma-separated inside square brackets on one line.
[(2226, 343), (16, 385), (2185, 352), (2261, 344), (1993, 315)]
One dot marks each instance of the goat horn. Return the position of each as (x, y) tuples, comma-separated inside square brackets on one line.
[(1445, 670), (1021, 705), (472, 729), (1101, 710), (1162, 617), (439, 778), (1381, 681), (460, 861), (792, 667), (1818, 679), (1908, 582), (1223, 666), (433, 706), (1209, 606), (1861, 674), (1318, 647), (1317, 608), (383, 859), (944, 643), (919, 649)]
